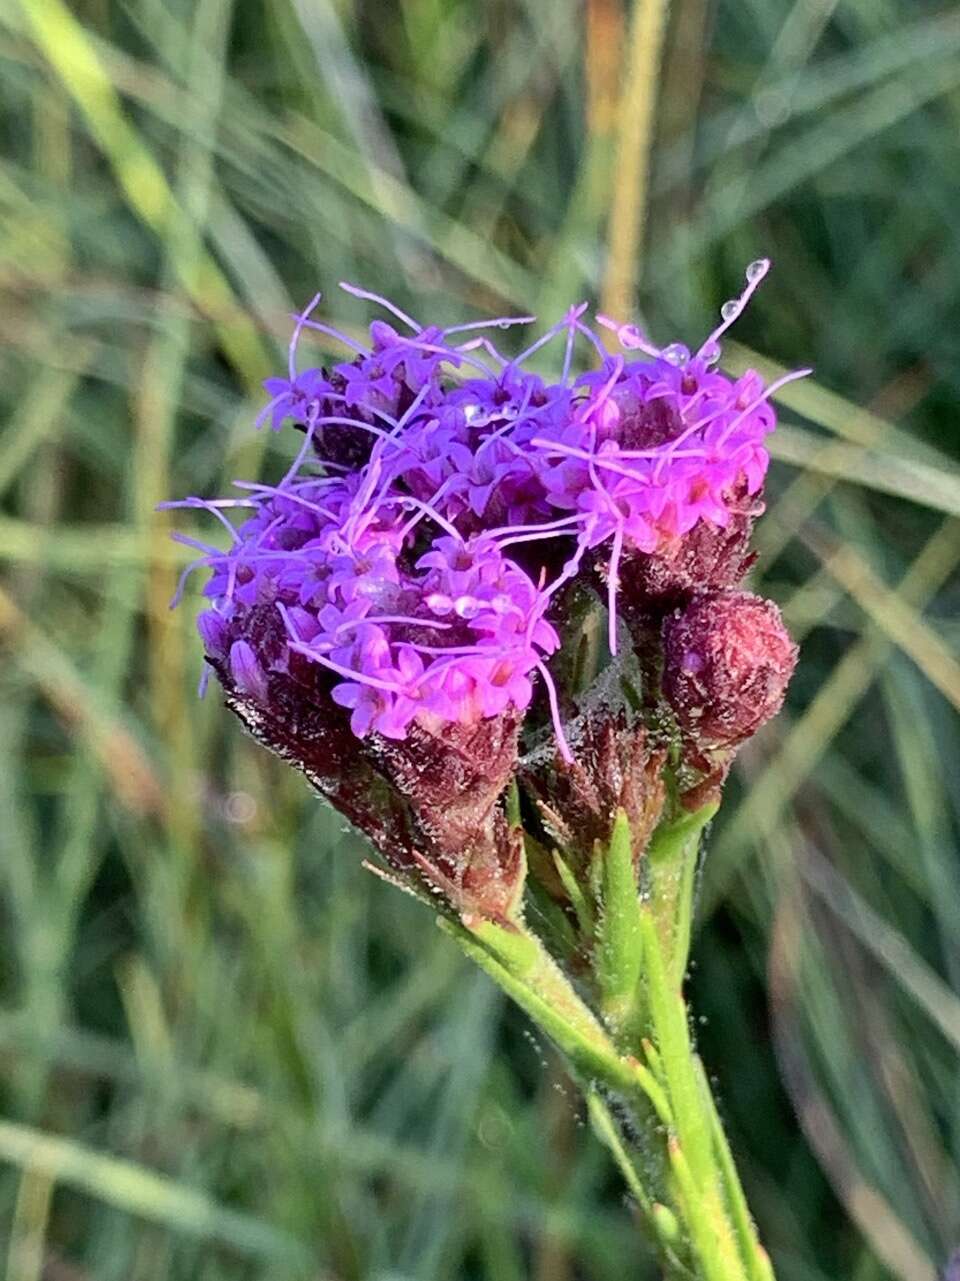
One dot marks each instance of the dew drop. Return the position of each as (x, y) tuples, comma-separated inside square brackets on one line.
[(676, 354), (730, 309), (757, 270), (711, 353), (503, 324)]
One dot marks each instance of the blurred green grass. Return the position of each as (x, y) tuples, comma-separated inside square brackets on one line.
[(227, 1051)]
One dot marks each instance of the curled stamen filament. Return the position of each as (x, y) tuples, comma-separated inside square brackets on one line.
[(288, 495), (613, 585), (301, 320), (562, 743), (537, 538), (482, 343), (608, 463), (629, 336), (765, 395), (339, 336), (453, 355), (352, 623), (213, 506), (736, 310), (426, 509), (593, 339), (500, 322), (357, 292), (573, 315), (561, 523), (542, 341)]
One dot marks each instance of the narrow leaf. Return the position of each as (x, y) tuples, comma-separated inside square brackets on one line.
[(754, 1257), (619, 943), (671, 868), (669, 1017), (703, 1234), (581, 904)]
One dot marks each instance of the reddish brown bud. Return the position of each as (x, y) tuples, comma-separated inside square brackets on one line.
[(615, 768), (727, 661), (706, 558), (429, 803), (452, 781), (301, 730)]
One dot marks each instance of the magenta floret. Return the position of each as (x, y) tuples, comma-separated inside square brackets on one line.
[(384, 584)]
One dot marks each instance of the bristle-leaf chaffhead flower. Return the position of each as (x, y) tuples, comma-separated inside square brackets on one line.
[(409, 571), (412, 615)]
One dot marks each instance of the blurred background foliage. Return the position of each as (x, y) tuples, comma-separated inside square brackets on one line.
[(227, 1051)]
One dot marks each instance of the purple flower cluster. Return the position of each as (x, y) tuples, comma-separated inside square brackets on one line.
[(378, 570)]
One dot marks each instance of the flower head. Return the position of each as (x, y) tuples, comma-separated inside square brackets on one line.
[(390, 579), (405, 578), (727, 661)]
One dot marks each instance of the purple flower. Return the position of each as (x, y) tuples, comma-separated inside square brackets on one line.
[(387, 586), (248, 675), (214, 632), (447, 636), (295, 398), (384, 614)]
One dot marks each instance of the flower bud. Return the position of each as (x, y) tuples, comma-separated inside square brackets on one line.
[(429, 803), (452, 779), (708, 557), (727, 661), (615, 768)]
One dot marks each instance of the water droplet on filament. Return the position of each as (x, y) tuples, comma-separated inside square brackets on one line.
[(730, 309), (676, 354), (757, 270)]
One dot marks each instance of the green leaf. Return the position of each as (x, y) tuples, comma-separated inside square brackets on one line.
[(660, 1220), (755, 1258), (671, 867), (521, 965), (696, 1216), (619, 952), (669, 1018), (581, 904), (606, 1131)]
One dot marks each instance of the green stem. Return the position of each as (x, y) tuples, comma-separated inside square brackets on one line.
[(634, 1058), (704, 1238), (517, 960), (619, 950), (660, 1221), (756, 1259), (671, 865)]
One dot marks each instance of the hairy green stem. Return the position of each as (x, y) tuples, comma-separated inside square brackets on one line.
[(671, 867), (624, 1031)]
